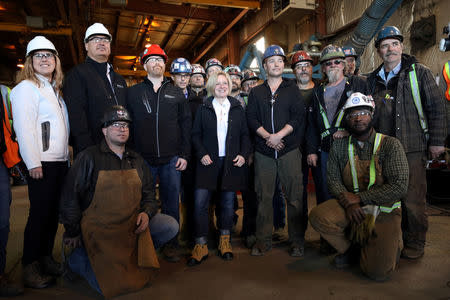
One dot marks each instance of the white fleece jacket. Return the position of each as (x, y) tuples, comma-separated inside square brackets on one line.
[(41, 123)]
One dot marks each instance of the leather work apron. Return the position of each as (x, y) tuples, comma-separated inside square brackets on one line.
[(380, 255), (108, 226), (363, 171)]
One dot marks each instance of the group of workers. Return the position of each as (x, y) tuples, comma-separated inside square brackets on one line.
[(206, 133)]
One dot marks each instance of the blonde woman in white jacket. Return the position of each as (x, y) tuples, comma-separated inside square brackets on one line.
[(42, 129)]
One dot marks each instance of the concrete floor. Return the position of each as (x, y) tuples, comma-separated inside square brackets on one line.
[(273, 276)]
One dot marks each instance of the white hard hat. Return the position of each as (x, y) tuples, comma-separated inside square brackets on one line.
[(40, 43), (359, 99), (96, 28)]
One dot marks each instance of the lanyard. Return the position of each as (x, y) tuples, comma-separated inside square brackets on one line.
[(351, 157)]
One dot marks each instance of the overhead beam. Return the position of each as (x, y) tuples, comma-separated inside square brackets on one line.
[(243, 4), (63, 14), (173, 28), (171, 10), (199, 34), (11, 27), (220, 34)]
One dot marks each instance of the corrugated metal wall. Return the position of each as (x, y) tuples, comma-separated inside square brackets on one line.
[(342, 12)]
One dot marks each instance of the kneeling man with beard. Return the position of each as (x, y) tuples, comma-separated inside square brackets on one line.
[(367, 176)]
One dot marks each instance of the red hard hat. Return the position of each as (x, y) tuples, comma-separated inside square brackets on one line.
[(153, 49), (300, 56)]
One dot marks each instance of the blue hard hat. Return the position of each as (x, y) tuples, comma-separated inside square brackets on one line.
[(349, 51), (273, 50), (388, 32), (180, 66)]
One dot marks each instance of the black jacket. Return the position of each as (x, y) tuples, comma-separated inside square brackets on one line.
[(204, 139), (288, 108), (405, 118), (161, 121), (88, 93), (315, 122), (81, 181), (195, 100)]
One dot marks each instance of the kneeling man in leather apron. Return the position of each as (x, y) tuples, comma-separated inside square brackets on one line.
[(368, 175), (109, 211)]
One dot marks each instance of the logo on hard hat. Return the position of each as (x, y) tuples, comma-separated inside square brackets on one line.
[(121, 113), (347, 51), (356, 100)]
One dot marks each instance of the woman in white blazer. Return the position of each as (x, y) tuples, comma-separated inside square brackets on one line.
[(42, 129)]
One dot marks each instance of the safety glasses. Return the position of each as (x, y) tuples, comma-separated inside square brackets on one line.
[(336, 62)]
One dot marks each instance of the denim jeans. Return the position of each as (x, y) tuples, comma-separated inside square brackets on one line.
[(225, 220), (169, 187), (323, 168), (5, 202), (163, 228)]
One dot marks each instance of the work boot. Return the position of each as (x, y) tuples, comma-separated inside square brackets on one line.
[(8, 288), (225, 250), (33, 277), (412, 253), (259, 249), (199, 254), (51, 267), (345, 260), (170, 253), (278, 235), (297, 250)]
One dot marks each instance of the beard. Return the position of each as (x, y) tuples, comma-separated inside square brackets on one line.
[(333, 75), (302, 78), (357, 132)]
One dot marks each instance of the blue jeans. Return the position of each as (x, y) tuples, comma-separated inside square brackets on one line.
[(169, 187), (5, 202), (225, 218), (323, 168), (163, 228)]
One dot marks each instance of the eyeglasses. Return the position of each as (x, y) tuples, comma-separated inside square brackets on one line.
[(336, 62), (120, 125), (41, 56), (183, 76), (301, 66), (98, 39), (154, 59), (358, 114)]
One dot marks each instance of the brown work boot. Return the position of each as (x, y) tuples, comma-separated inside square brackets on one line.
[(225, 250), (199, 254), (8, 288), (33, 277), (51, 267), (170, 253)]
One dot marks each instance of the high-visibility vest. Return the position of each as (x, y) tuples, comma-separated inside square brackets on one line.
[(417, 101), (327, 132), (11, 156), (446, 73), (372, 171)]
